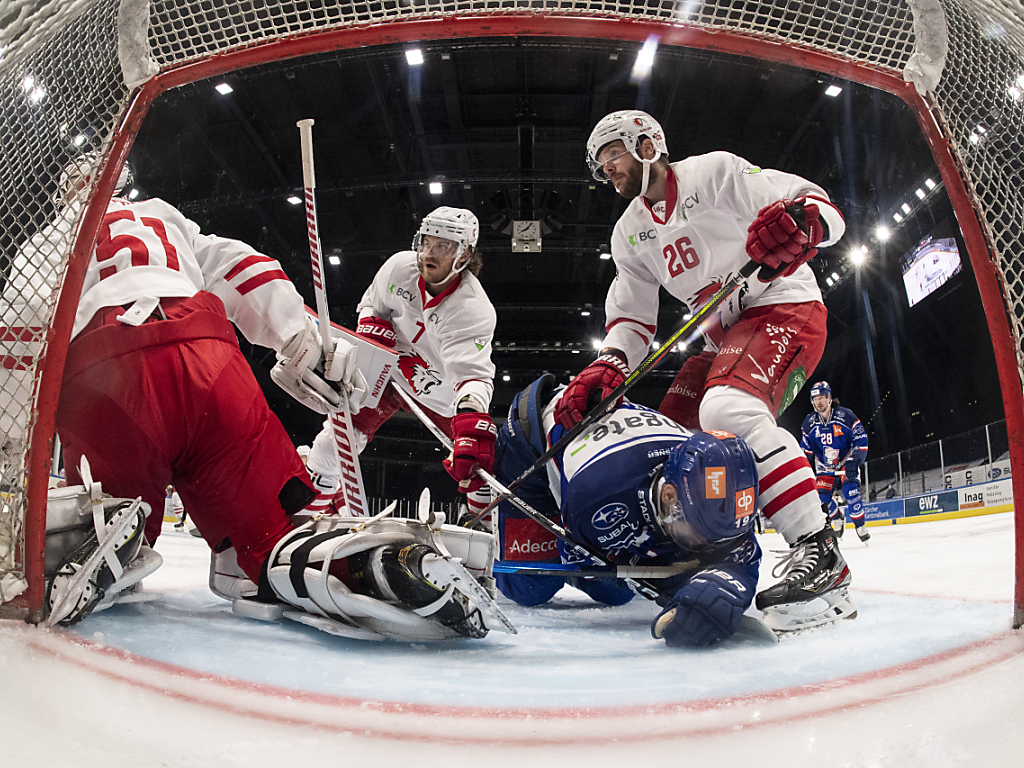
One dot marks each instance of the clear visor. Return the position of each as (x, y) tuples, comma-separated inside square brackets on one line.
[(604, 156), (439, 246), (675, 524)]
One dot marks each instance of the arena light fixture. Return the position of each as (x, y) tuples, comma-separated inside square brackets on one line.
[(436, 188), (881, 233), (833, 91), (645, 59), (223, 89), (414, 56), (294, 200)]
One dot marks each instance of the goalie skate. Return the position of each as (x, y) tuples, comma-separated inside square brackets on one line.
[(829, 608)]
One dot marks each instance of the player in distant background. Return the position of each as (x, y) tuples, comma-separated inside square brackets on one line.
[(428, 305), (638, 489), (837, 446), (689, 226), (157, 392)]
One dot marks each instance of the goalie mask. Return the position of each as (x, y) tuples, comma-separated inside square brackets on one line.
[(715, 479), (631, 127), (455, 224), (79, 176)]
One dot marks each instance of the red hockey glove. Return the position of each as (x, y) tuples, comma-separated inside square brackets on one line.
[(784, 236), (474, 447), (377, 329), (592, 385)]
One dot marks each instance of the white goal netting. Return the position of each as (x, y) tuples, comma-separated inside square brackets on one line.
[(69, 68)]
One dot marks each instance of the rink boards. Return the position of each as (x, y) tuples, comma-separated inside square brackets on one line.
[(968, 501)]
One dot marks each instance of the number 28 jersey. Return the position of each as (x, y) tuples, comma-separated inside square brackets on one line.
[(694, 241)]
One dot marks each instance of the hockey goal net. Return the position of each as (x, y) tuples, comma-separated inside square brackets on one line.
[(78, 75)]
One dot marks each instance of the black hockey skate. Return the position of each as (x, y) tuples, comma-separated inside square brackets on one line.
[(812, 568), (862, 532)]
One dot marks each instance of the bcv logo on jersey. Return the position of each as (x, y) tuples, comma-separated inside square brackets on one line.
[(609, 516), (640, 237), (400, 292)]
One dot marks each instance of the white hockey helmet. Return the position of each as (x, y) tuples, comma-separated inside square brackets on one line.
[(628, 126), (79, 175), (456, 224)]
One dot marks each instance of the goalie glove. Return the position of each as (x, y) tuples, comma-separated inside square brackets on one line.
[(377, 329), (473, 447), (300, 372), (592, 385), (784, 236)]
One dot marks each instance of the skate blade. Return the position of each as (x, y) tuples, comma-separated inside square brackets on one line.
[(822, 611), (448, 570)]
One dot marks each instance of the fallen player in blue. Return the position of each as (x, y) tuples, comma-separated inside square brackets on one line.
[(638, 489)]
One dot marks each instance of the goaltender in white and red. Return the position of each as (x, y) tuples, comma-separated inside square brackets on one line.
[(156, 392), (689, 226), (428, 305)]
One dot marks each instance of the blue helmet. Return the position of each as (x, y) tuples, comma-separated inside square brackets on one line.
[(821, 388), (715, 479)]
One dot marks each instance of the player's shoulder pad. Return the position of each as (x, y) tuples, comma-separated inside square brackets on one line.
[(845, 415)]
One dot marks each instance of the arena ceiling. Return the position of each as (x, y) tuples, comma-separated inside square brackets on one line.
[(501, 124)]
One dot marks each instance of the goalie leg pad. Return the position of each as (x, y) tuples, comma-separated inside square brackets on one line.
[(309, 569), (71, 541)]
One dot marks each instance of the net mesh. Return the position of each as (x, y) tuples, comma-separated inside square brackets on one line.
[(63, 86)]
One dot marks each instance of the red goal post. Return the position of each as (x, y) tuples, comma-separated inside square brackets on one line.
[(80, 74)]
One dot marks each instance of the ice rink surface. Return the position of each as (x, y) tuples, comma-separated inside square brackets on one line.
[(928, 674)]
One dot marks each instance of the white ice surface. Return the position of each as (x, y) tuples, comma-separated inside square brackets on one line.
[(929, 673)]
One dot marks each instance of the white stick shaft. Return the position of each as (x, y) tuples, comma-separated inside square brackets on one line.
[(313, 228), (341, 423)]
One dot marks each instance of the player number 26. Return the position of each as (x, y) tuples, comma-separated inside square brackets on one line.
[(680, 256)]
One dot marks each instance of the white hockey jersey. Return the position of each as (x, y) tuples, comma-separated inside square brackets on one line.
[(444, 341), (149, 249), (695, 240), (25, 307)]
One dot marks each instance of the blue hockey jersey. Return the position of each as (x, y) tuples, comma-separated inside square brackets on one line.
[(830, 444), (608, 484)]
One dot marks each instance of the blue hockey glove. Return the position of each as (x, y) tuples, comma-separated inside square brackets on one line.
[(852, 471), (707, 609)]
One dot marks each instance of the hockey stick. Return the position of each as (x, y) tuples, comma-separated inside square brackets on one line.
[(629, 574), (341, 422), (613, 572), (690, 329), (640, 586)]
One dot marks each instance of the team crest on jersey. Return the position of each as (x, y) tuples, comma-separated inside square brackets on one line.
[(421, 377), (751, 169)]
